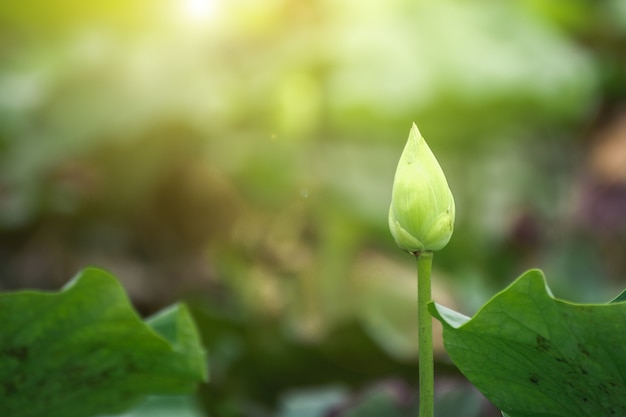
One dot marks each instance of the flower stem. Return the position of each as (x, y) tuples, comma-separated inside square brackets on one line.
[(425, 327)]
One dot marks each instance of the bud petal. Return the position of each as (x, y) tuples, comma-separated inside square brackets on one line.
[(421, 215)]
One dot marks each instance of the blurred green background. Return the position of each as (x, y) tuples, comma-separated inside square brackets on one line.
[(239, 154)]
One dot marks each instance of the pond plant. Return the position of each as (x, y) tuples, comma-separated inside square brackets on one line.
[(530, 354), (421, 220), (84, 351)]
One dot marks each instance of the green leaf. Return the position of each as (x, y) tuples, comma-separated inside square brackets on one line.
[(536, 356), (84, 350), (619, 298)]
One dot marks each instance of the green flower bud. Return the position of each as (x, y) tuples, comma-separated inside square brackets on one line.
[(421, 215)]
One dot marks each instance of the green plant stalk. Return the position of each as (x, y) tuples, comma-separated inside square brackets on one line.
[(425, 327)]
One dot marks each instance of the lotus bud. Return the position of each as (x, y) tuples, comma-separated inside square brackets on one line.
[(421, 215)]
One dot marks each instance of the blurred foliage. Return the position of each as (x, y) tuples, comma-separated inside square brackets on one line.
[(241, 152), (166, 407)]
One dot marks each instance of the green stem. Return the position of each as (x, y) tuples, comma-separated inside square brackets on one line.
[(425, 326)]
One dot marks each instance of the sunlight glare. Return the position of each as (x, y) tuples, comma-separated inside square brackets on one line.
[(199, 10)]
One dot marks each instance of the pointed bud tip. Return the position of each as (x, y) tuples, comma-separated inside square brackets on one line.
[(415, 134)]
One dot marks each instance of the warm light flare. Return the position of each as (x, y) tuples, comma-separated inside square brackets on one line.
[(199, 10)]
